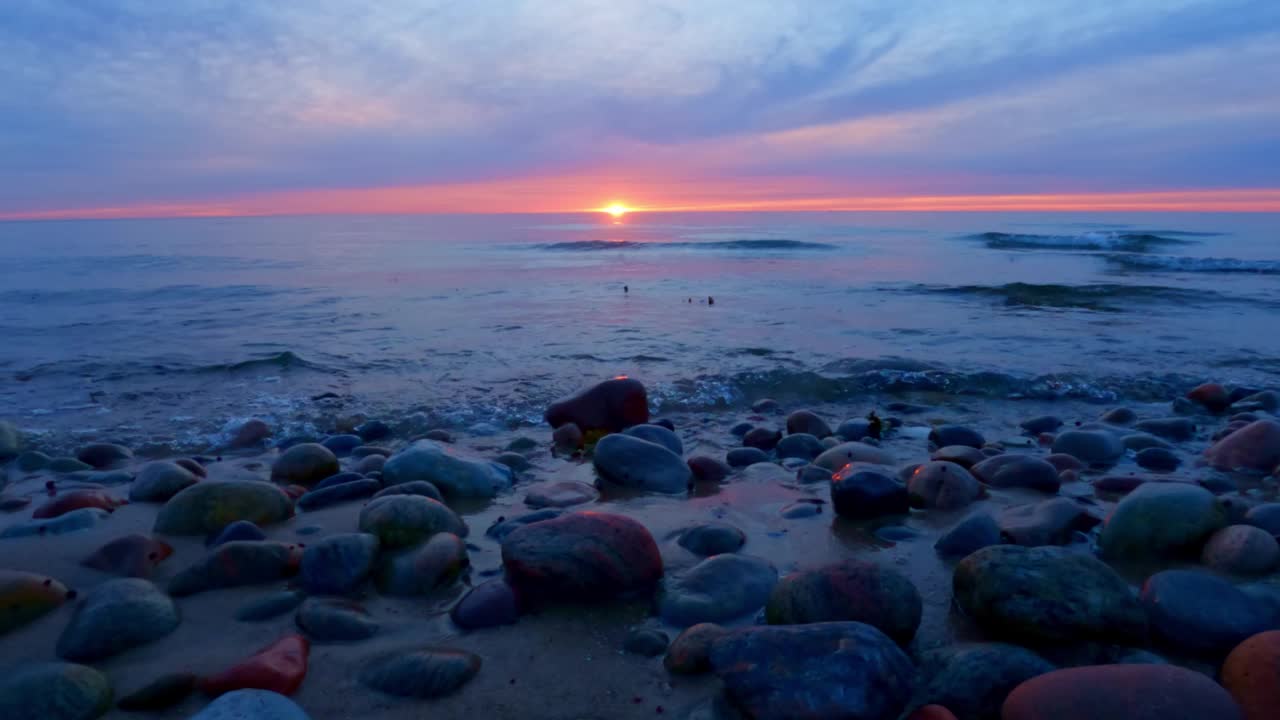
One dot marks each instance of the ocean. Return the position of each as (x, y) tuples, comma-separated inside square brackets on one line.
[(174, 331)]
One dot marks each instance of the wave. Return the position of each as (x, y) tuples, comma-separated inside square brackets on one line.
[(1101, 297), (1094, 240), (107, 371), (1173, 263), (593, 245)]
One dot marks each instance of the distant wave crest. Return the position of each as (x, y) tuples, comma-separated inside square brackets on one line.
[(771, 245), (1093, 240), (1172, 263), (1101, 297)]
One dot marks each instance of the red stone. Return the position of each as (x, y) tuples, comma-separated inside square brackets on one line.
[(1252, 675), (610, 406), (1255, 446), (295, 491), (76, 500), (932, 712), (279, 667), (1120, 692), (130, 556), (1212, 396)]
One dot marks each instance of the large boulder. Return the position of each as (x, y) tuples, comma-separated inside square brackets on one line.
[(812, 672), (973, 680), (338, 564), (1098, 448), (305, 464), (610, 406), (405, 520), (861, 492), (639, 464), (1159, 520), (1120, 692), (942, 485), (54, 691), (453, 475), (852, 590), (25, 596), (207, 507), (720, 588), (1018, 471), (581, 557), (1251, 674), (1201, 613), (158, 481), (1047, 594), (238, 563), (116, 616), (1255, 446), (852, 452)]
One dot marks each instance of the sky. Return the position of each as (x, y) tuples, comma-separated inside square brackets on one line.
[(113, 108)]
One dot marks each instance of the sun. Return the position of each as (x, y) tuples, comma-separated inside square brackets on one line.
[(617, 210)]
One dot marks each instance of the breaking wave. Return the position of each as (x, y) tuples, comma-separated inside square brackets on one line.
[(1093, 240), (1099, 298), (1172, 263), (769, 245)]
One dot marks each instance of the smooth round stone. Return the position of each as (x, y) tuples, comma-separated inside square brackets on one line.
[(1176, 429), (719, 588), (160, 694), (860, 492), (765, 405), (66, 465), (522, 444), (658, 435), (741, 429), (415, 487), (253, 433), (1137, 442), (32, 461), (823, 670), (116, 616), (1160, 520), (342, 445), (646, 642), (10, 441), (104, 456), (852, 452), (642, 465), (708, 469), (305, 464), (1018, 471), (271, 605), (581, 556), (251, 705), (932, 712), (1265, 516), (1251, 674), (854, 429), (405, 520), (129, 556), (761, 438), (488, 604), (1050, 522), (799, 445), (810, 474), (338, 564), (801, 509), (560, 494), (452, 474), (1199, 612), (54, 691), (502, 527), (713, 538), (1063, 462), (77, 500), (335, 621), (942, 485), (808, 422), (567, 439), (1211, 396), (610, 406), (207, 507), (962, 455), (1047, 594), (852, 590), (238, 563), (974, 680), (338, 479), (690, 652), (427, 673), (975, 532), (1091, 447), (1256, 446), (1120, 692), (1158, 459), (26, 596), (745, 456), (369, 464), (944, 435), (158, 481), (278, 667), (514, 460), (1241, 550), (419, 570), (1041, 424), (1119, 416), (74, 521), (240, 530), (335, 494), (439, 435), (373, 430)]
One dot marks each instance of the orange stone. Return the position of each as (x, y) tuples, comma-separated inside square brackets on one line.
[(76, 500), (279, 667), (1252, 675)]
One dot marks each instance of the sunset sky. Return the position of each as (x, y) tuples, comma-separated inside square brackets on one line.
[(214, 107)]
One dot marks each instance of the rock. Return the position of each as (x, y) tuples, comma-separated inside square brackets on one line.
[(766, 473), (713, 538), (646, 642), (238, 530), (1049, 522), (207, 507), (271, 605), (582, 556), (133, 555), (116, 616), (1046, 594), (1119, 416), (1256, 446), (26, 596), (338, 564), (1252, 675), (811, 474), (861, 492), (1268, 400), (452, 475), (855, 429), (567, 439), (975, 532), (416, 487), (610, 406), (1091, 447), (238, 563), (488, 604), (745, 456), (634, 463), (278, 667), (690, 653), (962, 455), (335, 620), (1177, 429), (658, 435), (1120, 484), (719, 588), (373, 430), (1137, 442), (852, 452), (942, 485), (1063, 462), (513, 460), (800, 445), (28, 462), (342, 445), (851, 590), (160, 480), (1241, 550), (1041, 424), (341, 478), (974, 680), (761, 438), (369, 464), (1158, 459), (1160, 520), (427, 673), (419, 570), (77, 500), (54, 691), (1120, 692), (253, 433), (1265, 516), (560, 494), (932, 712), (1018, 471), (1198, 612), (160, 694), (104, 456), (765, 405), (251, 705), (305, 464), (66, 465), (741, 429), (73, 521), (805, 421), (801, 509), (406, 520), (344, 492), (708, 469), (502, 527), (944, 435), (1212, 397), (825, 670)]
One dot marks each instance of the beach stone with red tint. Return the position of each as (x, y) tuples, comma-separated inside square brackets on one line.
[(962, 455), (806, 421), (133, 555), (1212, 396), (932, 712), (238, 563), (763, 439), (708, 469), (1251, 674), (610, 406), (942, 485), (279, 667), (690, 652), (489, 604), (25, 596), (586, 556), (1121, 692), (851, 590), (1255, 446), (251, 434), (77, 500)]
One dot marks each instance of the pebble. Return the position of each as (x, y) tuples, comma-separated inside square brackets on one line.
[(405, 520), (560, 494), (719, 588), (514, 460), (852, 590), (238, 530), (1158, 459), (207, 507), (1201, 613), (713, 538), (708, 469), (116, 616), (1161, 520), (419, 570), (238, 563), (745, 456), (503, 527), (567, 439), (77, 500), (646, 642), (942, 485), (26, 596), (73, 521), (342, 445), (975, 532), (1091, 447), (762, 438), (1253, 447), (808, 422), (973, 680), (801, 509), (1120, 692), (962, 455), (581, 557), (1251, 674), (658, 435), (1018, 471), (860, 492), (305, 464), (690, 652), (852, 452), (31, 460), (344, 492), (799, 445), (944, 435), (427, 673), (611, 406), (104, 456), (251, 704), (132, 555), (641, 465), (741, 429), (1041, 424), (279, 667), (54, 691), (160, 480), (488, 604), (452, 474), (337, 621), (1049, 522), (253, 433), (338, 564), (414, 487), (1241, 550)]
